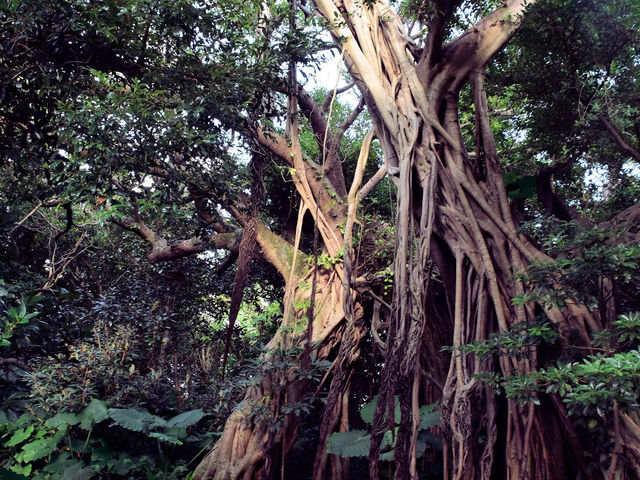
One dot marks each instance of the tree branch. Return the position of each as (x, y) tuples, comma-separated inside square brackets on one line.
[(276, 144), (344, 126), (327, 101), (316, 115), (319, 124), (474, 48), (69, 209), (436, 28), (628, 220), (622, 145), (373, 181), (552, 202), (162, 250), (279, 146), (333, 166)]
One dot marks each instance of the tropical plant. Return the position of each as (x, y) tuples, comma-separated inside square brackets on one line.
[(69, 445)]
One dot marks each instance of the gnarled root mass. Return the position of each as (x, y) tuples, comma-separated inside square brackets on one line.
[(453, 215)]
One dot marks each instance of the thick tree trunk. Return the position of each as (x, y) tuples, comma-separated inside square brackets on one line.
[(461, 206), (258, 427), (254, 431), (452, 213)]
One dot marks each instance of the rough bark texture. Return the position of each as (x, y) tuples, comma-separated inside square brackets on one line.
[(246, 447), (249, 440), (462, 208)]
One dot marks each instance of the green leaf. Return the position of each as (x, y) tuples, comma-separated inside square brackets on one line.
[(366, 412), (123, 465), (354, 443), (133, 419), (429, 417), (176, 432), (33, 300), (76, 444), (186, 419), (421, 446), (26, 318), (79, 471), (102, 456), (387, 456), (19, 436), (23, 469), (94, 413), (60, 464), (119, 463), (63, 419), (165, 438), (39, 448), (389, 439)]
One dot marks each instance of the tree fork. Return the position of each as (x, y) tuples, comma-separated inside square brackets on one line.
[(473, 212)]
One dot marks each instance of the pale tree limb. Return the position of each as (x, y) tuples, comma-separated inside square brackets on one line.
[(372, 182), (344, 126), (474, 48), (163, 250), (328, 143), (26, 217), (352, 204), (290, 283), (311, 188), (351, 337)]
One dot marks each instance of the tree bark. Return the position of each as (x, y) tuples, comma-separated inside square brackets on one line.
[(453, 214), (255, 430), (412, 95)]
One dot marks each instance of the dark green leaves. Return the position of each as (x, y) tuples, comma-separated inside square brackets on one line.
[(135, 420), (9, 475), (366, 412), (32, 441), (94, 413), (520, 187), (186, 419), (354, 443), (64, 419), (170, 431), (19, 436), (429, 416)]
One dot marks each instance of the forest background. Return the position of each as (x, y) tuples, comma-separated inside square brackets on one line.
[(175, 205)]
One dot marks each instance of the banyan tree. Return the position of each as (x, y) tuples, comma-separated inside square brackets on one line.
[(454, 221), (134, 111)]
